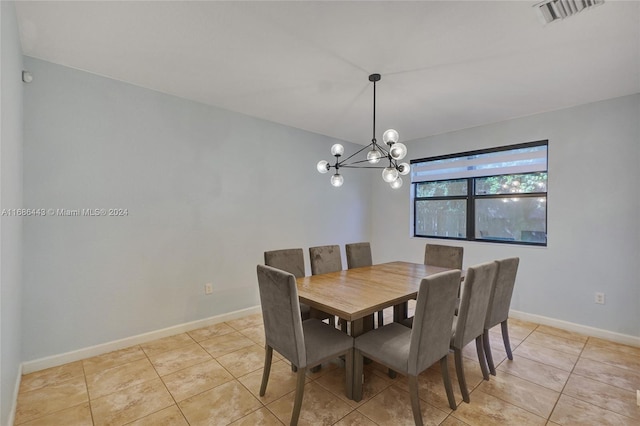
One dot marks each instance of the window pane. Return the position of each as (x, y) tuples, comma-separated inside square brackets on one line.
[(441, 218), (445, 188), (512, 184), (512, 219), (481, 163)]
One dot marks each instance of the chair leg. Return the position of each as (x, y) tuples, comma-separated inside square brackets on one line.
[(357, 375), (481, 357), (444, 368), (505, 339), (380, 319), (268, 354), (487, 352), (415, 400), (297, 404), (457, 354), (348, 372)]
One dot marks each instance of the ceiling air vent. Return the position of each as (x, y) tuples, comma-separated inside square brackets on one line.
[(554, 10)]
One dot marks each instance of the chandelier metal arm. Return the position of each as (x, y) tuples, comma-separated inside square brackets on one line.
[(362, 167), (382, 149), (352, 155), (392, 163), (373, 145), (356, 165)]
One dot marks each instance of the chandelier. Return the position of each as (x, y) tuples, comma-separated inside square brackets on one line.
[(393, 152)]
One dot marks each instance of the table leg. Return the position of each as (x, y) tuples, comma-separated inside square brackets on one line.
[(357, 327), (400, 312), (369, 323)]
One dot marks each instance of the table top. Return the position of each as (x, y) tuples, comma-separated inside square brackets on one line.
[(355, 293)]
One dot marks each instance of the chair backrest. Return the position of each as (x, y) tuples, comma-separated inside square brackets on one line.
[(431, 331), (281, 313), (325, 259), (474, 302), (358, 255), (443, 256), (290, 260), (502, 290)]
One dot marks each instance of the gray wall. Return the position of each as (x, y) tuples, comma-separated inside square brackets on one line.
[(207, 191), (10, 198), (593, 205)]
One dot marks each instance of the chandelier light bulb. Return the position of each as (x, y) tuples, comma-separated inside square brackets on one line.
[(337, 180), (396, 183), (389, 174), (323, 166), (390, 137), (337, 149), (374, 156), (398, 151), (404, 168)]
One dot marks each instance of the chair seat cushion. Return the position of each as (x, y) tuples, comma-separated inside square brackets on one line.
[(388, 344), (322, 341)]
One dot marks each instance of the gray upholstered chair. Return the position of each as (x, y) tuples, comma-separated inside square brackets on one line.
[(325, 259), (443, 256), (499, 303), (359, 255), (292, 261), (411, 351), (304, 343), (468, 324)]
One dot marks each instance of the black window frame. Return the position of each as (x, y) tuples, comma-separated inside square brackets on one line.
[(471, 197)]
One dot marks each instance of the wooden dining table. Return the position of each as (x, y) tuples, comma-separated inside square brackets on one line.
[(356, 294)]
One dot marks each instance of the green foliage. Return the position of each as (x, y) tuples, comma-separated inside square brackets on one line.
[(512, 184), (508, 207), (445, 188)]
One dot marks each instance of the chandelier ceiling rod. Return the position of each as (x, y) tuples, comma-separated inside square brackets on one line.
[(395, 151), (374, 78)]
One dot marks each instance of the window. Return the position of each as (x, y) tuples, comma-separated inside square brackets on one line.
[(497, 195)]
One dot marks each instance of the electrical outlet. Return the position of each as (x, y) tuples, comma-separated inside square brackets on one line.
[(208, 288), (599, 299)]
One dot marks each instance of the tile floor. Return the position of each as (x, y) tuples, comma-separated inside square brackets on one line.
[(211, 376)]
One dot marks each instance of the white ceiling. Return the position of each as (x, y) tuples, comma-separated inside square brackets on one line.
[(445, 65)]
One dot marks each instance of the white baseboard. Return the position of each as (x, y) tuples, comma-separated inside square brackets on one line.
[(577, 328), (56, 360), (14, 402)]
